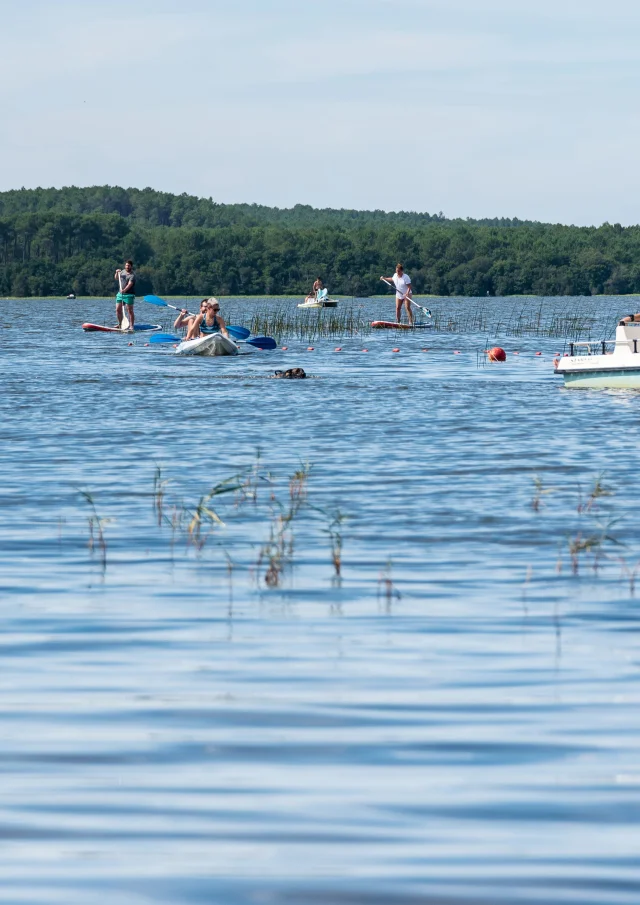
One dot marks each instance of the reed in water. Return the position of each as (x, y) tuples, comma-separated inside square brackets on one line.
[(589, 318)]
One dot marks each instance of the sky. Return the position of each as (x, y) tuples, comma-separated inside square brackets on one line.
[(477, 108)]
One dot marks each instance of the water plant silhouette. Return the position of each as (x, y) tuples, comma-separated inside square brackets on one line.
[(96, 528)]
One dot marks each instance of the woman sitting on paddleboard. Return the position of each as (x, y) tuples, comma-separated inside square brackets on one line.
[(184, 319), (209, 322)]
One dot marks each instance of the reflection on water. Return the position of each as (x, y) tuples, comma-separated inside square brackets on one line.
[(453, 721)]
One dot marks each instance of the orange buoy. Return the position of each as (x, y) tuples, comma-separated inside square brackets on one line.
[(497, 354)]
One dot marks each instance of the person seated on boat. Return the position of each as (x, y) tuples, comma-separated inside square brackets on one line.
[(318, 286), (184, 319), (209, 322), (629, 319)]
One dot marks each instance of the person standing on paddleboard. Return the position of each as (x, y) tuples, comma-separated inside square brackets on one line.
[(126, 293), (402, 282)]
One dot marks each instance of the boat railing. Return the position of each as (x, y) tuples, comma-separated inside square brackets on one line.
[(601, 346)]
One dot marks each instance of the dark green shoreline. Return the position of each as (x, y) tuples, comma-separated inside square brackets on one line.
[(53, 241)]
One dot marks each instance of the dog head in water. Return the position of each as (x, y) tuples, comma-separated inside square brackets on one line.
[(291, 374)]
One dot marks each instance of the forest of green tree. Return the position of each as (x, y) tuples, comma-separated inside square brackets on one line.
[(54, 241)]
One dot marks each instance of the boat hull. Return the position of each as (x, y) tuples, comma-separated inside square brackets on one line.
[(214, 345), (327, 304), (621, 379)]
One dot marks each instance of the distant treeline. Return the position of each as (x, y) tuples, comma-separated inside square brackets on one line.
[(53, 241)]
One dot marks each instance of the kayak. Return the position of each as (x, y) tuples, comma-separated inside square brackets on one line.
[(313, 303), (213, 344), (392, 325), (100, 328)]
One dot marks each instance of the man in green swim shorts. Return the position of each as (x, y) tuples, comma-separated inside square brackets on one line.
[(126, 293)]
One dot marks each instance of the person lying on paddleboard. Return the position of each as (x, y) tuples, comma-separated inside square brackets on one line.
[(209, 322), (126, 293), (402, 282), (184, 319)]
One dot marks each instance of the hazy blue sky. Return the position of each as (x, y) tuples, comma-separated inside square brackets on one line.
[(475, 107)]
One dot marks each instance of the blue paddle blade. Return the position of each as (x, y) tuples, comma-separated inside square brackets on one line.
[(164, 338), (239, 332), (155, 300), (262, 342)]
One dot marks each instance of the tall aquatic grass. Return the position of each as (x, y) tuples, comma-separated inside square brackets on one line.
[(583, 523), (285, 322), (572, 318)]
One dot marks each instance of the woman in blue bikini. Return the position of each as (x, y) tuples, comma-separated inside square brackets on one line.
[(208, 322)]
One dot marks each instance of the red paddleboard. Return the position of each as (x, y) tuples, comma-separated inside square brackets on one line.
[(91, 327), (102, 329), (391, 325)]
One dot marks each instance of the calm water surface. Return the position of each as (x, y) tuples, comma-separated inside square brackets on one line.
[(455, 722)]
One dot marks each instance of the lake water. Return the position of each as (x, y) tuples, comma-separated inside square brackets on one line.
[(453, 721)]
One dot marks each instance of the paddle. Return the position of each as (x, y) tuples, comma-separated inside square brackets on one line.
[(260, 342), (236, 332), (164, 338), (406, 296)]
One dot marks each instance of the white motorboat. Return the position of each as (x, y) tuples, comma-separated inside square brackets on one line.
[(604, 364), (319, 300), (212, 344), (314, 303)]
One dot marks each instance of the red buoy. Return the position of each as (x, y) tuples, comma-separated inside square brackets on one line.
[(309, 348), (395, 350), (284, 348), (497, 354), (338, 349)]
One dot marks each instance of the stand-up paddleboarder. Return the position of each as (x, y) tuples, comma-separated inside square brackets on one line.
[(402, 282), (126, 293)]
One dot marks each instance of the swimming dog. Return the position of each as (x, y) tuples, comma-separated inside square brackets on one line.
[(291, 374)]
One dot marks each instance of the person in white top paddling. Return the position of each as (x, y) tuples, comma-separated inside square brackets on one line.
[(402, 282)]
